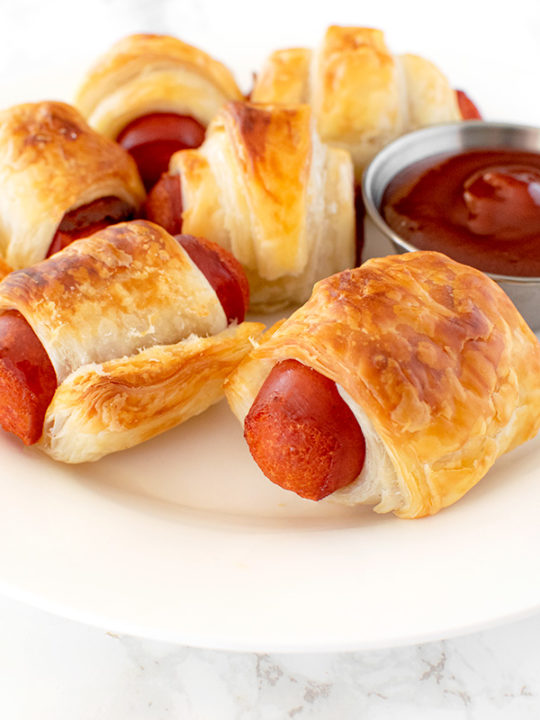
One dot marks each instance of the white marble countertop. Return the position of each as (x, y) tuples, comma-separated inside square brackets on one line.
[(56, 669), (52, 668)]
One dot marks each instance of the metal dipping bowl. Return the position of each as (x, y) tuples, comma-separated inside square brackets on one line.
[(452, 138)]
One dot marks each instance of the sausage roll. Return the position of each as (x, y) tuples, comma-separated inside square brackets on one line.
[(155, 95), (60, 180), (118, 337), (398, 384), (264, 187), (362, 95)]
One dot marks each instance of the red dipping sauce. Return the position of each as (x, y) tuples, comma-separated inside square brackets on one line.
[(480, 207)]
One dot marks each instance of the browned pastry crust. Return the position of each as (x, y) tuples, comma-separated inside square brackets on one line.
[(136, 334), (444, 370), (120, 403), (148, 73), (362, 95), (52, 162), (263, 186), (284, 78)]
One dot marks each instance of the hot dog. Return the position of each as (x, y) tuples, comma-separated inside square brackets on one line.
[(223, 272), (152, 139), (436, 364), (28, 380), (302, 434), (164, 203), (164, 207), (467, 108), (88, 219), (155, 94)]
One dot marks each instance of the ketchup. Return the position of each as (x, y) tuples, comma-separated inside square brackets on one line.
[(480, 207)]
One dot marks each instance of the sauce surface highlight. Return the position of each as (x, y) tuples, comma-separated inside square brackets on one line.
[(480, 207)]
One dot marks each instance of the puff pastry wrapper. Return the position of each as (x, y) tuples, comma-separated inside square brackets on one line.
[(52, 162), (145, 73), (263, 186), (441, 371), (362, 95), (136, 335)]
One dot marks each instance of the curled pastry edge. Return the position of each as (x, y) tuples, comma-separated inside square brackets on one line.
[(103, 408)]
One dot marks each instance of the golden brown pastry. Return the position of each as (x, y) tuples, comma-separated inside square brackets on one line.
[(155, 95), (362, 95), (264, 187), (423, 361), (146, 73), (56, 173), (128, 334)]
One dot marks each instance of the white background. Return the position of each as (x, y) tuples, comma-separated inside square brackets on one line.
[(55, 668)]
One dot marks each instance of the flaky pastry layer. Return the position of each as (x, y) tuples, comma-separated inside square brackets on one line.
[(362, 95), (136, 334), (145, 73), (52, 162), (103, 408), (439, 367), (263, 186), (125, 288)]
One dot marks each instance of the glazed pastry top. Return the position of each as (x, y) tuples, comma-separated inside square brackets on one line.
[(436, 356), (147, 73), (52, 162)]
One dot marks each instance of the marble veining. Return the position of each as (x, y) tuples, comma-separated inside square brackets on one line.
[(87, 673)]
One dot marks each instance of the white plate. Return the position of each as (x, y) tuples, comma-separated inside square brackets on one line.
[(182, 539)]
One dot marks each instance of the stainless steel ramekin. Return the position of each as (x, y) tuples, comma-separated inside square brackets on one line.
[(452, 138)]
